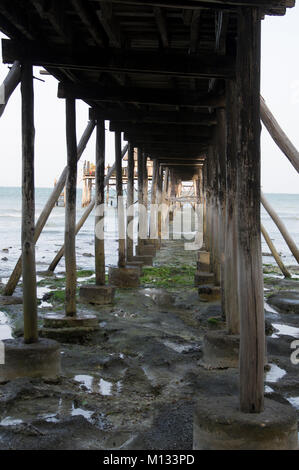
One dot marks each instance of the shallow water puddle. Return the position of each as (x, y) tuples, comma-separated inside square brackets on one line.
[(49, 409), (99, 385), (294, 402), (269, 308), (275, 373), (5, 329), (285, 330), (268, 389)]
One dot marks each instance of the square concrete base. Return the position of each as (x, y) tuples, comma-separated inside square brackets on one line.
[(40, 359), (96, 295), (136, 264), (209, 293), (145, 259), (124, 277), (203, 263), (203, 277), (147, 250)]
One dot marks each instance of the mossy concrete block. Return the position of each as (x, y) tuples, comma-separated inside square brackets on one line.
[(220, 350), (203, 277), (147, 250), (56, 320), (124, 277), (40, 359), (96, 295), (220, 425), (203, 263)]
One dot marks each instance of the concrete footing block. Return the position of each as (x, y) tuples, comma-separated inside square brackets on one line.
[(220, 350), (124, 277), (209, 293), (145, 259), (147, 250), (203, 277), (96, 295), (136, 264), (69, 329), (220, 425), (40, 359), (203, 263)]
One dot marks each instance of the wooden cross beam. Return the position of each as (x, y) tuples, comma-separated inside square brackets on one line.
[(140, 95), (127, 115), (140, 139), (161, 129), (179, 64)]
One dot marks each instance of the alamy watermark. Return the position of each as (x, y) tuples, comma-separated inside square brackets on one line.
[(295, 353), (2, 353)]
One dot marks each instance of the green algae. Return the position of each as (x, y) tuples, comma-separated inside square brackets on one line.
[(168, 276)]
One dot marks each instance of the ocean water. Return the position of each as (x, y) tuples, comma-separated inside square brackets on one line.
[(52, 237)]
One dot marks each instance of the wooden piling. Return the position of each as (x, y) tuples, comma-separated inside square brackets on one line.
[(120, 204), (9, 84), (70, 209), (84, 217), (274, 252), (141, 221), (99, 242), (42, 220), (250, 274), (230, 276), (130, 202), (281, 227), (153, 210), (28, 206)]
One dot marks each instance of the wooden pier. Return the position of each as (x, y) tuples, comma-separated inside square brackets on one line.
[(180, 82)]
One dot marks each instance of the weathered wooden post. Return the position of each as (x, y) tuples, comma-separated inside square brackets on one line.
[(29, 356), (99, 293), (56, 325), (9, 84), (274, 252), (272, 422), (44, 215), (85, 216), (130, 203), (123, 275)]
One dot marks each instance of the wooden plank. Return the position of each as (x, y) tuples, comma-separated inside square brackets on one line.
[(99, 241), (173, 139), (130, 202), (70, 210), (90, 21), (28, 206), (162, 26), (179, 64), (9, 84), (120, 203), (250, 273), (194, 32), (279, 136), (141, 95), (182, 117), (110, 24), (274, 252), (161, 129)]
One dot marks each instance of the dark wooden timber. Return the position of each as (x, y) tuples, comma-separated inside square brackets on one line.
[(128, 115), (141, 95), (99, 242), (153, 208), (250, 273), (42, 220), (120, 203), (140, 172), (70, 209), (130, 202), (120, 60), (231, 306), (85, 215), (28, 206), (9, 84)]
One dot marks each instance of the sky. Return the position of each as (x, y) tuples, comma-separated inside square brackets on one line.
[(279, 87)]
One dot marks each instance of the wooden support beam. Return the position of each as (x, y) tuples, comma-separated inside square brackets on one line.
[(9, 84), (250, 272), (130, 202), (85, 216), (162, 26), (279, 136), (55, 13), (150, 130), (126, 60), (28, 206), (120, 204), (44, 215), (281, 227), (194, 32), (90, 21), (274, 252), (141, 95), (70, 210), (127, 115), (170, 138), (110, 24), (99, 242)]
